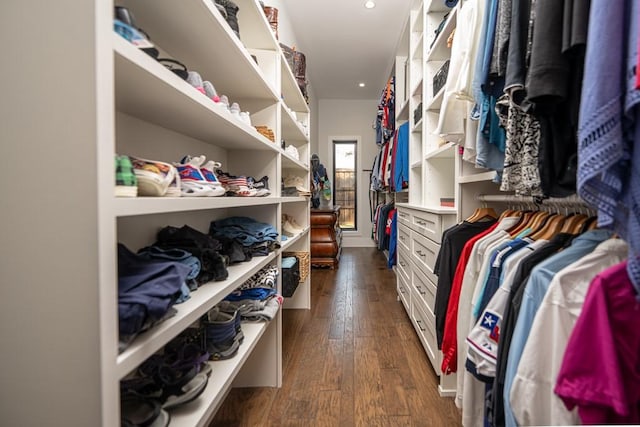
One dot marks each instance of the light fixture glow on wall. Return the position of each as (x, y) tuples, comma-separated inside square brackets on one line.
[(361, 84), (369, 4)]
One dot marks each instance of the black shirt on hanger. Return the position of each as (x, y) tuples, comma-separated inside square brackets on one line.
[(448, 256)]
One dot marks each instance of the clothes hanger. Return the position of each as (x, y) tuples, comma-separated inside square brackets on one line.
[(550, 228), (574, 224), (483, 213), (532, 219)]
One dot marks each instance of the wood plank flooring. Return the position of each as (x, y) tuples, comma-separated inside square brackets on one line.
[(352, 360)]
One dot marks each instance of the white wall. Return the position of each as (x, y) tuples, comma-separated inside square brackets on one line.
[(351, 118)]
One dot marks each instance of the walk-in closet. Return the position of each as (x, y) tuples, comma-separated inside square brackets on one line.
[(265, 213)]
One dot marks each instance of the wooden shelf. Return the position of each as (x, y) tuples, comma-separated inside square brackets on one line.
[(133, 206), (188, 312), (289, 162), (403, 112), (292, 131), (436, 101), (197, 35), (418, 126), (147, 90), (417, 89), (285, 244), (445, 151), (416, 165), (432, 209), (479, 177), (439, 50), (198, 412), (290, 91)]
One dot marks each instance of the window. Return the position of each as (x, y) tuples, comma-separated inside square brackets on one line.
[(345, 182)]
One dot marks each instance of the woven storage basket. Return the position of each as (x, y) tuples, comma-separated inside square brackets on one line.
[(304, 258)]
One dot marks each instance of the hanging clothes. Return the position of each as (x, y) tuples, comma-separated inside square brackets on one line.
[(610, 395), (532, 397)]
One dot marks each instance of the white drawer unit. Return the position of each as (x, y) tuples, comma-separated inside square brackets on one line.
[(403, 266), (425, 327), (404, 217), (404, 293), (428, 224), (419, 237), (404, 238), (424, 288), (424, 253)]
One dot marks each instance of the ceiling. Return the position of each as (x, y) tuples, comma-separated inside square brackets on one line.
[(346, 44)]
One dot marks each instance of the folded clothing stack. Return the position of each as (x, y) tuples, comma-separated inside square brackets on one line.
[(255, 300), (147, 290), (260, 238)]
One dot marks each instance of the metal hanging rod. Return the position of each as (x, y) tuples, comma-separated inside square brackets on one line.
[(573, 200)]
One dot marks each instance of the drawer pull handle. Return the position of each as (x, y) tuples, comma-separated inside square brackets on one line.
[(422, 223), (419, 322), (419, 288), (422, 254), (402, 238), (403, 264), (402, 291)]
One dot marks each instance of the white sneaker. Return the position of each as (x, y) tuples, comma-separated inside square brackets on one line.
[(292, 223), (245, 117), (297, 182), (292, 151), (153, 177), (192, 182)]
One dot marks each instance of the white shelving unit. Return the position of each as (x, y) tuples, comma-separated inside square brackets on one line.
[(112, 98)]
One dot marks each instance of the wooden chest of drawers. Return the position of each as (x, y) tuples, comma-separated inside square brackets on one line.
[(326, 237)]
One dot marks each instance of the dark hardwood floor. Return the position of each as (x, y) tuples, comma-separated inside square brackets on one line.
[(352, 360)]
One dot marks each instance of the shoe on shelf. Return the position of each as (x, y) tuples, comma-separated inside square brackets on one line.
[(297, 182), (174, 189), (192, 182), (154, 177), (195, 80), (210, 91), (208, 171), (292, 223), (220, 334), (126, 182), (224, 101), (235, 110), (292, 151), (245, 117)]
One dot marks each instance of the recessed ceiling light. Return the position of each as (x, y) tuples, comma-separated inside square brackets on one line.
[(369, 4), (361, 84)]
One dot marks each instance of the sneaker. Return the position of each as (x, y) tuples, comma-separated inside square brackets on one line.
[(297, 182), (292, 224), (195, 80), (174, 189), (192, 182), (126, 182), (292, 151), (210, 91), (224, 102), (261, 186), (136, 37), (208, 172), (245, 117), (153, 177), (220, 334), (235, 110)]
